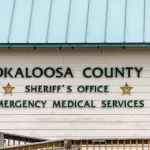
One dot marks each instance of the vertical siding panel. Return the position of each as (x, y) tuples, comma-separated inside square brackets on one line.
[(13, 142), (117, 144), (80, 145), (111, 144), (148, 144), (144, 21), (29, 28), (87, 145), (11, 21), (74, 145), (130, 144), (106, 17), (47, 146), (59, 145), (53, 146), (136, 144), (99, 146), (124, 145), (105, 145), (93, 146), (142, 144), (68, 21), (49, 19), (8, 142)]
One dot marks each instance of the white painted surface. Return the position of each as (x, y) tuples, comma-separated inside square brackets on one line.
[(55, 123)]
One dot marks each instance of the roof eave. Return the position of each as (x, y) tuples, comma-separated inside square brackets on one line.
[(129, 44)]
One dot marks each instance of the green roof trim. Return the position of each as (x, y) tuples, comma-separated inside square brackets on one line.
[(97, 45)]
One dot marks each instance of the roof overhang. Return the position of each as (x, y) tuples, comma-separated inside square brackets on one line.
[(98, 45)]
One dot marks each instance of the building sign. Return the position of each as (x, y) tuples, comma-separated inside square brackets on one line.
[(58, 73)]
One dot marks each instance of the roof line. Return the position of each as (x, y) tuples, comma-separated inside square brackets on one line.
[(100, 45)]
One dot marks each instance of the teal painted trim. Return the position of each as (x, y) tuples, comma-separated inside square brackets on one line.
[(57, 45)]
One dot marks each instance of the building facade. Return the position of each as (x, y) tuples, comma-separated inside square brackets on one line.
[(75, 69)]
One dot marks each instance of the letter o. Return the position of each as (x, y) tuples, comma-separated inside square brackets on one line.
[(39, 70), (80, 87), (100, 72), (51, 70)]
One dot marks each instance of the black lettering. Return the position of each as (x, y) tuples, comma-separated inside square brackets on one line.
[(103, 103), (27, 88), (69, 90), (49, 72), (107, 74), (118, 71), (129, 70), (84, 73), (56, 104), (68, 72), (19, 73), (7, 72), (138, 71), (39, 70), (59, 71), (1, 72), (141, 103), (100, 71)]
